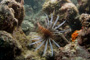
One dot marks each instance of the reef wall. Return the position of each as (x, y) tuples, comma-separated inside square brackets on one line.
[(12, 38)]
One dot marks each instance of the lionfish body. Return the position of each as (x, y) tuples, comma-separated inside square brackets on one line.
[(48, 34)]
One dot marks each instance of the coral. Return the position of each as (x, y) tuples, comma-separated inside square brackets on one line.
[(11, 14), (19, 35), (8, 47), (17, 7), (58, 6), (85, 19), (7, 19), (12, 44), (84, 6), (72, 51), (49, 34), (61, 8), (84, 34), (84, 39), (49, 6)]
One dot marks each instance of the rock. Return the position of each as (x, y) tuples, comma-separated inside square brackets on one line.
[(11, 14), (7, 19), (8, 47), (84, 34), (72, 51), (17, 7), (84, 6), (85, 20), (60, 7)]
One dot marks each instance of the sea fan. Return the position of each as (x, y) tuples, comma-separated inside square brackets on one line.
[(49, 31)]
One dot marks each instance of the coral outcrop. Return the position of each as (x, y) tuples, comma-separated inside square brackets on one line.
[(84, 34), (17, 7), (11, 14), (13, 41), (84, 6), (7, 19), (8, 46), (72, 51), (61, 8), (12, 38)]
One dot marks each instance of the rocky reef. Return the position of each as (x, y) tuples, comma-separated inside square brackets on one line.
[(71, 30), (84, 34), (11, 17), (61, 8), (8, 46), (76, 20)]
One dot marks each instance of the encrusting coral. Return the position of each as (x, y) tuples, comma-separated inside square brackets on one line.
[(7, 19), (83, 6), (49, 33), (8, 46), (11, 14), (12, 41), (17, 7), (84, 34)]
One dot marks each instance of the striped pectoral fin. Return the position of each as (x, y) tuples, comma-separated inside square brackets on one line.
[(51, 47), (45, 48), (39, 46), (35, 42), (56, 43)]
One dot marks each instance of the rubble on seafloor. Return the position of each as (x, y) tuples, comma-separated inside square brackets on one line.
[(14, 42)]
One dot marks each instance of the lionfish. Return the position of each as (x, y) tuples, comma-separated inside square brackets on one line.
[(49, 32)]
